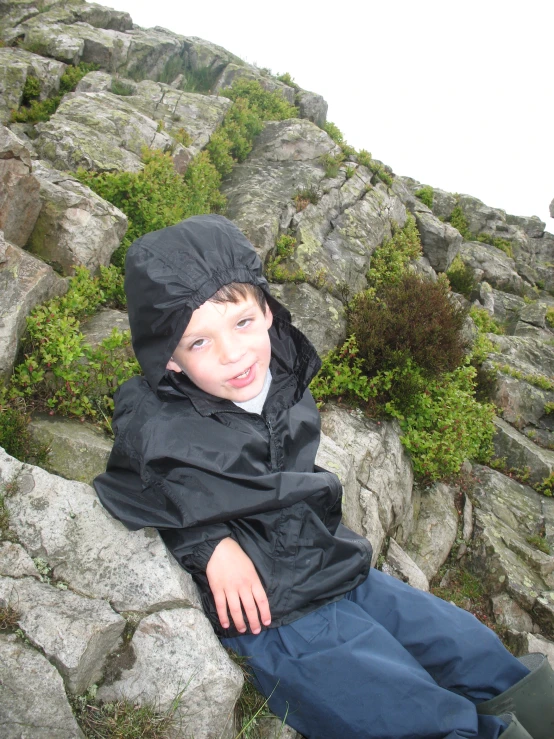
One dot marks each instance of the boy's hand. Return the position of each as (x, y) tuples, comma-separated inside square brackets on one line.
[(234, 580)]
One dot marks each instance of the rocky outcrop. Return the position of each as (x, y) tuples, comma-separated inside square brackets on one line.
[(25, 281)]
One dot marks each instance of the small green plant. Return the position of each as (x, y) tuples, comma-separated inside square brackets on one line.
[(539, 542), (550, 316), (546, 487), (334, 132), (541, 381), (288, 80), (42, 111), (15, 437), (304, 197), (181, 136), (459, 221), (425, 194), (484, 321), (461, 277), (331, 163), (275, 271), (341, 375), (390, 260), (364, 158), (121, 87), (350, 172), (548, 408), (31, 89)]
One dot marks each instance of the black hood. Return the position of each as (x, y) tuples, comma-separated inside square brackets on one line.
[(171, 272)]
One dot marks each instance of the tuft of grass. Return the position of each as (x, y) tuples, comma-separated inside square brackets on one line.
[(331, 163), (425, 194), (304, 197), (121, 88), (539, 542), (461, 277), (9, 618)]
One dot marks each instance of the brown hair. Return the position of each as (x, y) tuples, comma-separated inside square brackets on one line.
[(236, 291)]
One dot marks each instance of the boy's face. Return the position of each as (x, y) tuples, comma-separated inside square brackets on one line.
[(226, 349)]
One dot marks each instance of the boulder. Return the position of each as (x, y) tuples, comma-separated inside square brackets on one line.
[(100, 131), (99, 327), (19, 190), (520, 402), (16, 65), (529, 355), (539, 254), (480, 218), (76, 451), (32, 695), (507, 517), (435, 530), (334, 458), (504, 307), (271, 727), (440, 241), (64, 523), (493, 265), (522, 643), (532, 226), (25, 282), (382, 469), (519, 452), (508, 614), (75, 633), (316, 313), (402, 566), (284, 160), (75, 227), (312, 106), (176, 657)]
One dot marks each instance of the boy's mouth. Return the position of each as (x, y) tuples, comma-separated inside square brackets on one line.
[(245, 378)]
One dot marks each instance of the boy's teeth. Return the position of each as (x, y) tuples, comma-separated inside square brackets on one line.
[(239, 377)]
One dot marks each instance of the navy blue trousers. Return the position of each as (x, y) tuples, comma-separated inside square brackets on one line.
[(387, 661)]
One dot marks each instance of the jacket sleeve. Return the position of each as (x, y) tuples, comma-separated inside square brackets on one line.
[(122, 493), (203, 497)]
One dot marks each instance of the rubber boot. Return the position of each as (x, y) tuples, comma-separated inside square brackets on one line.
[(530, 699), (514, 729)]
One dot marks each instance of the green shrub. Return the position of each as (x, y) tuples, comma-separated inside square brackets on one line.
[(459, 221), (288, 80), (546, 487), (409, 319), (550, 316), (539, 542), (15, 437), (304, 197), (60, 371), (157, 196), (269, 106), (342, 375), (425, 194), (334, 132), (501, 244), (461, 277), (31, 89), (364, 158), (484, 321), (42, 110), (390, 260)]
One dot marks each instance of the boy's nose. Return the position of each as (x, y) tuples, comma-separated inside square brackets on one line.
[(230, 350)]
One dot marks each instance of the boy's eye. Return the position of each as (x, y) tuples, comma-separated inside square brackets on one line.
[(198, 343), (243, 322)]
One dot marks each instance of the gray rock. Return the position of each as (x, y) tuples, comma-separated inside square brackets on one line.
[(64, 523), (15, 66), (25, 281), (100, 131), (524, 643), (382, 470), (312, 106), (443, 204), (316, 313), (521, 453), (507, 613), (15, 562), (435, 530), (551, 208), (283, 161), (530, 356), (402, 566), (422, 267), (532, 226), (75, 227), (99, 327), (506, 515), (520, 402), (535, 314), (76, 451), (76, 634), (440, 241), (271, 727), (32, 695), (480, 217), (538, 255), (19, 189), (493, 265), (175, 653), (504, 307)]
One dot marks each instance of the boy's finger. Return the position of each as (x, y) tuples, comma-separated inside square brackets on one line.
[(262, 602), (235, 610), (221, 607), (251, 611)]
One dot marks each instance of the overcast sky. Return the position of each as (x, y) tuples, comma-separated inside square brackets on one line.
[(455, 95)]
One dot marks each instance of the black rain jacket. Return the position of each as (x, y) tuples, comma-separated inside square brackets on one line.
[(198, 467)]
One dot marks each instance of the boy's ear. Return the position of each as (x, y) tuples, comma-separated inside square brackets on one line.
[(268, 317), (172, 365)]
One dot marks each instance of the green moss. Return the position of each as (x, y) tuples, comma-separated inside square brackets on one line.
[(539, 542)]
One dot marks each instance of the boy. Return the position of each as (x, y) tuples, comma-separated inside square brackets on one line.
[(215, 447)]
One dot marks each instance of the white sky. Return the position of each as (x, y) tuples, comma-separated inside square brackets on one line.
[(458, 95)]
